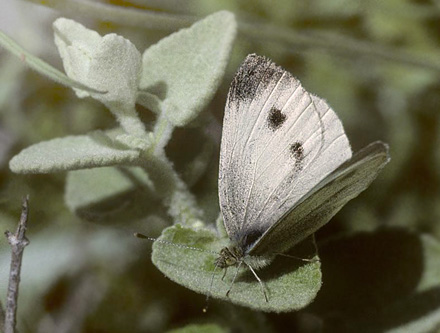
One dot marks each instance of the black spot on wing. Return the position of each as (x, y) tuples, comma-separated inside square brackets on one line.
[(275, 119), (297, 151)]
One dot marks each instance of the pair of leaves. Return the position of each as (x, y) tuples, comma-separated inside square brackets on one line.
[(180, 75)]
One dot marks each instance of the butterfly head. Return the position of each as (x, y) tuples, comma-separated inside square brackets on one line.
[(229, 256), (234, 255)]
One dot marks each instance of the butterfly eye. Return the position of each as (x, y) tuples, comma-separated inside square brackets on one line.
[(230, 261), (276, 118)]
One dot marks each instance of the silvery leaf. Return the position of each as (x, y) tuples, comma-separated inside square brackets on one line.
[(71, 153), (182, 72)]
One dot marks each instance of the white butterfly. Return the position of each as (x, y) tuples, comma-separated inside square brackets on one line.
[(286, 166)]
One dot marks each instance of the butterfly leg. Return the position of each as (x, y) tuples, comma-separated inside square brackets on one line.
[(233, 280), (208, 294), (263, 289), (224, 272)]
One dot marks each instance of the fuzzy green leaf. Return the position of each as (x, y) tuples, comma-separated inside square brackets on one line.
[(110, 63), (291, 284), (185, 69), (71, 153)]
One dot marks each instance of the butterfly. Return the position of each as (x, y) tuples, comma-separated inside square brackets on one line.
[(286, 168), (286, 165)]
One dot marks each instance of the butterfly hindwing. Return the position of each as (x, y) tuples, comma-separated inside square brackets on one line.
[(278, 143), (324, 200)]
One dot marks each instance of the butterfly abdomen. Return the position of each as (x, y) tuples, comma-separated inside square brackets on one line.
[(258, 262)]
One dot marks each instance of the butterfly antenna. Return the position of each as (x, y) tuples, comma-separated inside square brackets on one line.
[(208, 295), (263, 289), (139, 235)]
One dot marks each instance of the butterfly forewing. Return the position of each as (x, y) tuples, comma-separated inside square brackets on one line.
[(324, 200), (278, 142)]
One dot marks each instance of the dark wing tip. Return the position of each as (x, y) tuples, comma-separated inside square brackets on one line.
[(255, 58), (253, 71)]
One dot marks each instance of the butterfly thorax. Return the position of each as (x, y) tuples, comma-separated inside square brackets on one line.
[(233, 255)]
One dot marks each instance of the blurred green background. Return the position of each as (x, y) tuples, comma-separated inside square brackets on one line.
[(377, 64)]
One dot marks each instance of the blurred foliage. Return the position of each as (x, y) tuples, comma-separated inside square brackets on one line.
[(377, 64)]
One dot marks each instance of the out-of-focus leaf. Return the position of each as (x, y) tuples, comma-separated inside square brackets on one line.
[(388, 280), (291, 284), (111, 194), (55, 253), (191, 160), (6, 142), (200, 328)]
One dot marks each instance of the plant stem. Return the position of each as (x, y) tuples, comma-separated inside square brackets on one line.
[(172, 189), (18, 242), (130, 122), (181, 203)]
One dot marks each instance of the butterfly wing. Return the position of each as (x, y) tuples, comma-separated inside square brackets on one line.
[(278, 143), (324, 200)]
